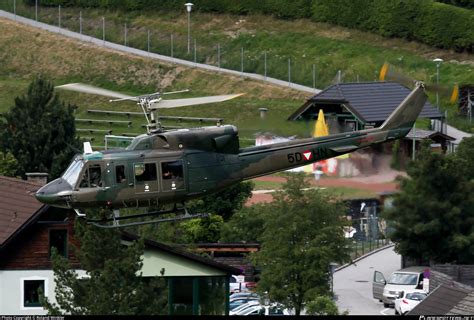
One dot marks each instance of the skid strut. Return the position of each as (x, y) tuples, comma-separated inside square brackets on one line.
[(116, 218)]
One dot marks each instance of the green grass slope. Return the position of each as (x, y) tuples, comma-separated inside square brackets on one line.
[(358, 55)]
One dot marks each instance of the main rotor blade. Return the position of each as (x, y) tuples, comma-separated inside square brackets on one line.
[(85, 88), (174, 103)]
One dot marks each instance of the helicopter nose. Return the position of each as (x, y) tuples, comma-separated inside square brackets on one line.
[(57, 193)]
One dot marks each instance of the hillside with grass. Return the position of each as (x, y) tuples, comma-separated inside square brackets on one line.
[(302, 44)]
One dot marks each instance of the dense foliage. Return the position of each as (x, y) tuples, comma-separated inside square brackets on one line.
[(8, 164), (433, 216), (459, 3), (302, 235), (433, 23), (113, 284), (437, 24), (39, 131)]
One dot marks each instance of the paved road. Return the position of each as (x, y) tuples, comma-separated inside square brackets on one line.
[(353, 284)]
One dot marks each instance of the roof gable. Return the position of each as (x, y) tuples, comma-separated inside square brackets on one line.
[(199, 265), (440, 301), (370, 101), (18, 205)]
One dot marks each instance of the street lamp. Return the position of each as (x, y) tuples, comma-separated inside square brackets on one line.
[(189, 6), (438, 62)]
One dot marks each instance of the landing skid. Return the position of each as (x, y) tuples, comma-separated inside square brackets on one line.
[(115, 219)]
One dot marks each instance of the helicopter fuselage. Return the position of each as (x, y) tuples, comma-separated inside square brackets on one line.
[(175, 166)]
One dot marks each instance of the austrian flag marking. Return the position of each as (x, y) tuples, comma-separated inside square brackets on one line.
[(308, 155)]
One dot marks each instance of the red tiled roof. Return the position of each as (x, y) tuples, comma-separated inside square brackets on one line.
[(17, 205)]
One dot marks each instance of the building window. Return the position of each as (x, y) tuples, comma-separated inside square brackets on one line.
[(32, 289), (58, 240)]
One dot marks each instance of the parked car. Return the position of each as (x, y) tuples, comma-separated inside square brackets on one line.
[(244, 306), (408, 301), (243, 294), (272, 310), (405, 280), (234, 303)]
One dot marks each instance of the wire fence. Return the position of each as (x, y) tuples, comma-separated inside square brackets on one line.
[(237, 56), (367, 234)]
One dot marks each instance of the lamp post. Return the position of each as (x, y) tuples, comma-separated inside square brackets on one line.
[(189, 6), (438, 62)]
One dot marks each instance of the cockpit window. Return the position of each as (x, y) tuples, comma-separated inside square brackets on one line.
[(92, 177), (72, 173)]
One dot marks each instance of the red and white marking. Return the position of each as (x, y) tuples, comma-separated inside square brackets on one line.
[(308, 155)]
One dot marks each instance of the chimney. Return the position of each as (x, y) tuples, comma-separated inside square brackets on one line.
[(40, 178)]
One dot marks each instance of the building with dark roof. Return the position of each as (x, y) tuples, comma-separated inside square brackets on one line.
[(355, 106), (29, 229), (440, 301)]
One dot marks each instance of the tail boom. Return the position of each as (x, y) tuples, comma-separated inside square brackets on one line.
[(263, 160)]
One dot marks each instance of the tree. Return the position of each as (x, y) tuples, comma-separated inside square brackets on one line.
[(432, 216), (303, 233), (113, 284), (322, 306), (245, 225), (39, 130), (226, 202), (8, 164)]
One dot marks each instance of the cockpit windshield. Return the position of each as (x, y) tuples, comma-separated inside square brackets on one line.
[(72, 173)]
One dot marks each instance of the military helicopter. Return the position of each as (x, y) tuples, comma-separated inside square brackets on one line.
[(174, 166)]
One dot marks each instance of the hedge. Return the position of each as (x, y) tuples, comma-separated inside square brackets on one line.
[(437, 24)]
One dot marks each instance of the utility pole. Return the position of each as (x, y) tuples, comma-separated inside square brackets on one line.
[(189, 6), (438, 62)]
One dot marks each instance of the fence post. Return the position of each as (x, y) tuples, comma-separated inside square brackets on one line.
[(289, 72), (125, 35), (148, 40), (14, 8), (265, 64), (242, 60), (103, 31), (195, 52), (80, 23), (59, 17), (314, 76), (219, 55), (36, 10), (172, 46)]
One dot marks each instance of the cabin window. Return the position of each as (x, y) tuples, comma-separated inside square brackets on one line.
[(58, 240), (31, 292), (172, 175), (120, 174), (145, 172), (92, 177)]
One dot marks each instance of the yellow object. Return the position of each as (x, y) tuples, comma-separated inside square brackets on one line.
[(383, 72), (320, 128), (455, 94)]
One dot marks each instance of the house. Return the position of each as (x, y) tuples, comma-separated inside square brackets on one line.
[(29, 229), (363, 105), (357, 106), (443, 300)]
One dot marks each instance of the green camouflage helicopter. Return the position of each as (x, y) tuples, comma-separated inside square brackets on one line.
[(173, 166)]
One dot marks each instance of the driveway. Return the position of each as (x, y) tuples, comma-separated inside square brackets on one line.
[(353, 284)]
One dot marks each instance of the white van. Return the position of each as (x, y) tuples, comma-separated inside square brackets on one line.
[(404, 280)]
